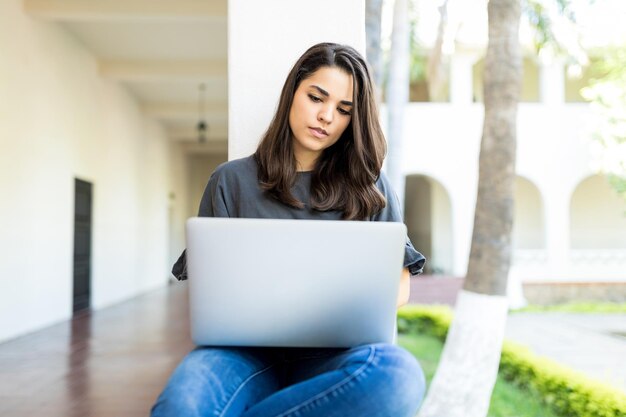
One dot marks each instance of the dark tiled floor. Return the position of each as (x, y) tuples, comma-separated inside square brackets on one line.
[(110, 363), (116, 361)]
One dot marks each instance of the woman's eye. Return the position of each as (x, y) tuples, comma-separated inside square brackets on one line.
[(344, 112), (314, 98)]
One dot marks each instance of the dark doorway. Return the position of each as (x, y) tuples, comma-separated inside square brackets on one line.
[(418, 213), (82, 245)]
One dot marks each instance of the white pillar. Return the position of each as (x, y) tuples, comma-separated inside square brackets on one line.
[(557, 233), (265, 39), (463, 208), (462, 78), (552, 82)]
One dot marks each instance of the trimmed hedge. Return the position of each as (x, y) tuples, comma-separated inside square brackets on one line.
[(432, 320), (577, 307), (567, 392)]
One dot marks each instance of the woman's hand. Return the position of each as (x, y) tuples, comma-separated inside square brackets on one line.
[(405, 288)]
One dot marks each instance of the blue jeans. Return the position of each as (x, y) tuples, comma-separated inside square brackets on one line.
[(379, 380)]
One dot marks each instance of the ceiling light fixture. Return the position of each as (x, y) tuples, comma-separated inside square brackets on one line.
[(202, 126)]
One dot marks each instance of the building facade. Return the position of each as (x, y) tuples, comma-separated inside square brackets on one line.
[(569, 226)]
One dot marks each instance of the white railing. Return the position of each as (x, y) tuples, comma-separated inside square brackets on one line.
[(604, 257), (530, 257)]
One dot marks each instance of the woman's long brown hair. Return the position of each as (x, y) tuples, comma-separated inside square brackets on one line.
[(345, 174)]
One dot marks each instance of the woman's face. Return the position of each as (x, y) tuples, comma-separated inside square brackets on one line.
[(320, 112)]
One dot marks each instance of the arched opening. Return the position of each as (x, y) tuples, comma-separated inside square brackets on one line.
[(598, 216), (428, 216), (528, 223)]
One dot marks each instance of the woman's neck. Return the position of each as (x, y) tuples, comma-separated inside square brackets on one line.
[(305, 161)]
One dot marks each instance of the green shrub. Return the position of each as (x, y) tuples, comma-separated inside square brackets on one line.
[(568, 393), (433, 320)]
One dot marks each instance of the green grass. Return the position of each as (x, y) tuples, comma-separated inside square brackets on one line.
[(427, 349), (507, 400), (577, 307)]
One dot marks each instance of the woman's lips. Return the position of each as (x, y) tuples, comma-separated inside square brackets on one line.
[(318, 132)]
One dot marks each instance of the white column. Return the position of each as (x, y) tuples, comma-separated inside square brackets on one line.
[(552, 82), (461, 78), (463, 208), (557, 233), (265, 39)]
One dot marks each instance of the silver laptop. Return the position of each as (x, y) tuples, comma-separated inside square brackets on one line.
[(297, 283)]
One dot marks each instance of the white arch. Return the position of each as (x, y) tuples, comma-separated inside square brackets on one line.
[(529, 215), (597, 216), (428, 215)]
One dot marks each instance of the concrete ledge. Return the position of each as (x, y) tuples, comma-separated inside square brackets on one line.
[(546, 293), (436, 289)]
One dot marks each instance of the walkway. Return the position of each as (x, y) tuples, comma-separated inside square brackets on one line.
[(116, 361), (594, 344)]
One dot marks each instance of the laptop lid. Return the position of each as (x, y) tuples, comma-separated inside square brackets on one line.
[(298, 283)]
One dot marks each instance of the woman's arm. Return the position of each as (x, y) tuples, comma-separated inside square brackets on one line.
[(405, 288)]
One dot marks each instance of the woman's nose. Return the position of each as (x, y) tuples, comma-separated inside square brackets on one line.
[(325, 115)]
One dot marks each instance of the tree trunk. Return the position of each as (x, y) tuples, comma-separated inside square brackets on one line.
[(467, 372), (397, 95), (373, 18), (490, 254), (435, 69)]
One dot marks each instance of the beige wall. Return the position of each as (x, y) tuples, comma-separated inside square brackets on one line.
[(598, 216), (528, 230), (199, 169), (257, 70), (59, 120), (575, 82), (178, 205), (530, 81)]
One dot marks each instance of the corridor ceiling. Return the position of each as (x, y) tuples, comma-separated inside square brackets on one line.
[(160, 50)]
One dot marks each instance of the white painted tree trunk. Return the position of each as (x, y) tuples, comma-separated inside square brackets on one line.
[(468, 368), (470, 359), (515, 291), (397, 95)]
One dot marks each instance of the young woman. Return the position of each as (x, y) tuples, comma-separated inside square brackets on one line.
[(320, 158)]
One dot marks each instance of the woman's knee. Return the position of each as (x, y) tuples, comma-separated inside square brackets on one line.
[(401, 378), (206, 378), (200, 367), (242, 361), (191, 378)]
